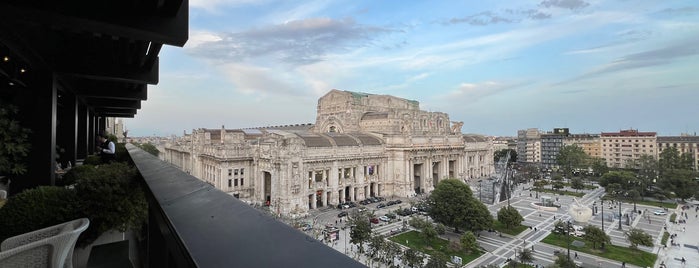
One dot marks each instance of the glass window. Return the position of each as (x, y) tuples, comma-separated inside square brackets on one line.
[(241, 181), (235, 183), (235, 172), (242, 171), (230, 183), (230, 172)]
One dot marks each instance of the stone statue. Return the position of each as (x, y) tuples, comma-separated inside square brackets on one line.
[(456, 126)]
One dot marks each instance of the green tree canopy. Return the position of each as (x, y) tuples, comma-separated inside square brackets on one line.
[(526, 256), (503, 153), (599, 165), (14, 142), (595, 235), (468, 242), (638, 237), (620, 177), (452, 203), (571, 157), (412, 258), (577, 184), (509, 216), (361, 232)]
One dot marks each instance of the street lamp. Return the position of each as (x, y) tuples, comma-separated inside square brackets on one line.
[(619, 215), (480, 190), (601, 202), (568, 240)]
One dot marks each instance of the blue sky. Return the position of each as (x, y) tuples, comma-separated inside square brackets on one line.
[(498, 66)]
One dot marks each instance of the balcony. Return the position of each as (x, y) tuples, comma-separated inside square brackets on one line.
[(192, 224)]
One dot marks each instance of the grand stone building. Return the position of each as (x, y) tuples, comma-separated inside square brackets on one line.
[(361, 145)]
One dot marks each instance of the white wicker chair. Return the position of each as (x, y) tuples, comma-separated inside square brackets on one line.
[(48, 247)]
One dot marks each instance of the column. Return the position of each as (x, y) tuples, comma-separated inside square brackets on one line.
[(351, 193), (314, 202), (324, 199), (83, 132)]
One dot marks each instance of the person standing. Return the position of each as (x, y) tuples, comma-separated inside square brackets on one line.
[(107, 149)]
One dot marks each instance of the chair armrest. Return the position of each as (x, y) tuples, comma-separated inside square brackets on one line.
[(30, 237), (36, 254)]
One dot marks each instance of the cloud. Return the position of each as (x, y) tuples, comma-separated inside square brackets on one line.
[(472, 92), (253, 79), (566, 4), (624, 38), (683, 11), (213, 6), (481, 19), (297, 42), (661, 56)]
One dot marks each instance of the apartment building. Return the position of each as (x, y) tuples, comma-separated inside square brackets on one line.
[(621, 149)]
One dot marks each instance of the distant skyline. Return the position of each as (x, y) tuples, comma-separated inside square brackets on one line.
[(498, 66)]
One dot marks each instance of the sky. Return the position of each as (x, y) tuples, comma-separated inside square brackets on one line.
[(589, 65)]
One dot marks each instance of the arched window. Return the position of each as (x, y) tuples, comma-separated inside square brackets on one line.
[(332, 129)]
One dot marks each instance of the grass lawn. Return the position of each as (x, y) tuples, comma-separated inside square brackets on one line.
[(500, 227), (621, 254), (560, 192), (671, 205), (413, 240), (666, 235)]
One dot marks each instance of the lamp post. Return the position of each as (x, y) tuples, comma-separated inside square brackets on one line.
[(601, 203), (568, 240), (480, 190), (619, 215)]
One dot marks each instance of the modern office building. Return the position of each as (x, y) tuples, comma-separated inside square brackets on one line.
[(361, 145), (621, 149), (551, 144)]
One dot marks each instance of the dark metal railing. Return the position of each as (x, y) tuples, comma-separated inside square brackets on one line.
[(193, 224)]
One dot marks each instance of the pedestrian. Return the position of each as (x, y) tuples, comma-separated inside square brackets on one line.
[(623, 264), (576, 255)]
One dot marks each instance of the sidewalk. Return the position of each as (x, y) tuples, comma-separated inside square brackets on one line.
[(688, 241)]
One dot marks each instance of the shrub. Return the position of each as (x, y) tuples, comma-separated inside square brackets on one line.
[(92, 160), (112, 198), (37, 208), (75, 174), (440, 228)]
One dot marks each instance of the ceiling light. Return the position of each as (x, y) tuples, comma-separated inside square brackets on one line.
[(6, 58), (11, 84), (22, 70)]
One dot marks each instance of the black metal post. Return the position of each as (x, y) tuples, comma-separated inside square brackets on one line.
[(619, 215), (568, 240), (601, 202)]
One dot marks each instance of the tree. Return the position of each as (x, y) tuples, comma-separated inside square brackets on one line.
[(14, 145), (558, 185), (647, 172), (149, 148), (633, 195), (391, 250), (599, 165), (571, 157), (428, 233), (412, 258), (680, 181), (595, 235), (361, 232), (437, 260), (440, 228), (526, 256), (563, 261), (623, 178), (577, 184), (376, 245), (452, 203), (638, 237), (503, 153), (510, 217), (468, 242)]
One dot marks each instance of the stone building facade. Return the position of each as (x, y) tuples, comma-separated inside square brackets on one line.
[(361, 145), (622, 149)]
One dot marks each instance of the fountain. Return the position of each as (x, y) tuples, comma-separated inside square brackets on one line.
[(546, 204), (580, 213)]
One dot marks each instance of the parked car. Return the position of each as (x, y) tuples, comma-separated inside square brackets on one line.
[(391, 215), (362, 209), (374, 220), (660, 212), (382, 205), (384, 218), (398, 201), (342, 214)]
